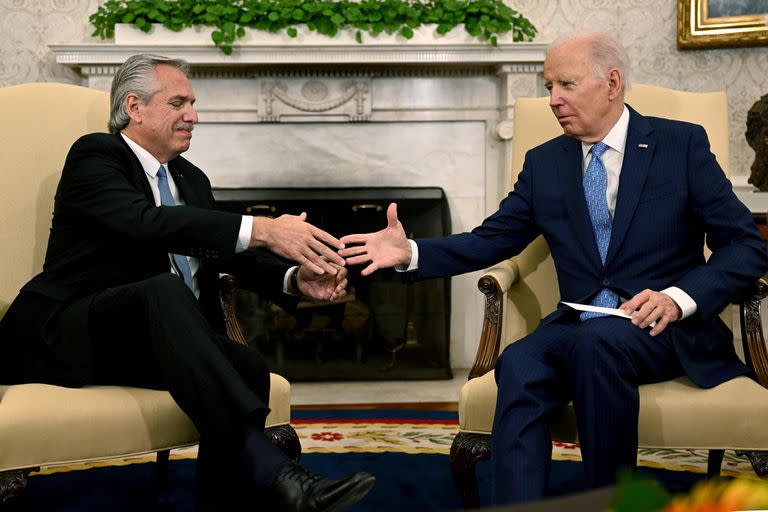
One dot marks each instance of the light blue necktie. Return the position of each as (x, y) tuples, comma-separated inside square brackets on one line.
[(166, 199), (595, 183)]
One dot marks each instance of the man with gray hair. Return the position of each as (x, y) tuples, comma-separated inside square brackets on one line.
[(128, 294), (625, 203)]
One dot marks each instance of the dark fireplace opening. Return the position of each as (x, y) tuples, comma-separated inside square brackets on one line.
[(383, 329)]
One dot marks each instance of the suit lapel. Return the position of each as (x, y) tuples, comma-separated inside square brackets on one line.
[(638, 153), (187, 191), (137, 171), (570, 172)]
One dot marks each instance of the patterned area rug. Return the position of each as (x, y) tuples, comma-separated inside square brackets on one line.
[(435, 434), (426, 432)]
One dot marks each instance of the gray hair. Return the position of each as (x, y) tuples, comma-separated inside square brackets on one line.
[(606, 53), (137, 76)]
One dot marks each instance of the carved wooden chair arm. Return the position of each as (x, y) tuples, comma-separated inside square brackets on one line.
[(752, 336), (234, 329), (493, 284)]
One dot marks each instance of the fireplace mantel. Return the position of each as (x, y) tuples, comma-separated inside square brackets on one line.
[(259, 48), (83, 55), (351, 115)]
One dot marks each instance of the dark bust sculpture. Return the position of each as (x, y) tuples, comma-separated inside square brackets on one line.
[(757, 137)]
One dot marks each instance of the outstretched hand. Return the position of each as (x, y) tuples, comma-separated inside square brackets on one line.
[(293, 238), (382, 249), (325, 286)]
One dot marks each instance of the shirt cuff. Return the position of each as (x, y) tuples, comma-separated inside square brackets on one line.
[(244, 237), (414, 264), (286, 277), (683, 300)]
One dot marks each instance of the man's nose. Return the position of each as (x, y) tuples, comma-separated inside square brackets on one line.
[(190, 114), (554, 97)]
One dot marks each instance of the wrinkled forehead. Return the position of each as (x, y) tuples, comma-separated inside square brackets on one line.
[(562, 63), (170, 80)]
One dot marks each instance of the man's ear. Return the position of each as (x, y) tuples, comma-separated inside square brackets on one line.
[(615, 84), (132, 107)]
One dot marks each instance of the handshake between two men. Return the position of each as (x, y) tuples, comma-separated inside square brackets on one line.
[(322, 274)]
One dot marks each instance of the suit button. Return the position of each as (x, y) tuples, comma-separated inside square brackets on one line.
[(606, 282)]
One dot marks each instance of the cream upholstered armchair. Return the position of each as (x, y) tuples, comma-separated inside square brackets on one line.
[(43, 425), (522, 290)]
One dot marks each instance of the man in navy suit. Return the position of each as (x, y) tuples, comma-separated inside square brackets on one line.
[(662, 196), (132, 216)]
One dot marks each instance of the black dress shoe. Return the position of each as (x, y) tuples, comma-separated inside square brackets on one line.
[(297, 489)]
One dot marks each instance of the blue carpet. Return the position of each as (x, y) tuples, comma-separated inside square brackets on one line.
[(404, 482)]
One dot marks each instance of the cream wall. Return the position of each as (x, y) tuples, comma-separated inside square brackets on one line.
[(646, 27)]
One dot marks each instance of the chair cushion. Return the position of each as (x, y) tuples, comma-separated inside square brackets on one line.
[(673, 414), (43, 425)]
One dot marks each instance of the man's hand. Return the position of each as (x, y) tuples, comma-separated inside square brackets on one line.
[(292, 237), (325, 286), (383, 249), (649, 306)]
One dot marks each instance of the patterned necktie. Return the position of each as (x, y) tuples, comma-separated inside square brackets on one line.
[(166, 199), (595, 183)]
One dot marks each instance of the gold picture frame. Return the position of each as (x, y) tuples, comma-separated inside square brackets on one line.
[(713, 24)]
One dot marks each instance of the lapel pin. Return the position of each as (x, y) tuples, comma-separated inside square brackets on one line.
[(643, 146)]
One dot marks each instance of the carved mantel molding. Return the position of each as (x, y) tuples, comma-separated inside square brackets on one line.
[(525, 54)]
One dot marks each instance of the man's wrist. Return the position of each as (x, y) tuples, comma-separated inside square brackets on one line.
[(413, 263), (682, 300), (259, 228)]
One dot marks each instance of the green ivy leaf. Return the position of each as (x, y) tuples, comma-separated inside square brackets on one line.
[(483, 19), (143, 24), (299, 14), (338, 20)]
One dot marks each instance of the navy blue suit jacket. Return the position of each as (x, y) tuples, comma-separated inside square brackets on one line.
[(672, 197)]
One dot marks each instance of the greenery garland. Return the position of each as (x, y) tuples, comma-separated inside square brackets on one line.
[(483, 19)]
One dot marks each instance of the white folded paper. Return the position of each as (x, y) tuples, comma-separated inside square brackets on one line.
[(599, 309)]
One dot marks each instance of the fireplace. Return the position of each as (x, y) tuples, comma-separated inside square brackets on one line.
[(383, 328), (421, 114)]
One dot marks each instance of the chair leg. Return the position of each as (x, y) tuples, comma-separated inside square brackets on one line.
[(284, 437), (13, 483), (466, 450), (759, 462), (714, 462), (161, 468)]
